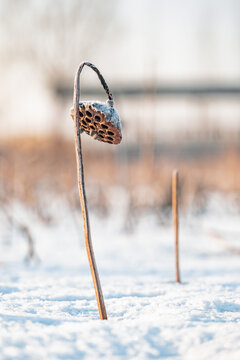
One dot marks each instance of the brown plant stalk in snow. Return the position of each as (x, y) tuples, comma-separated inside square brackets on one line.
[(175, 185), (102, 122)]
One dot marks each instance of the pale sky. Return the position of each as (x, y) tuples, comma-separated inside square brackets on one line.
[(176, 41), (183, 40)]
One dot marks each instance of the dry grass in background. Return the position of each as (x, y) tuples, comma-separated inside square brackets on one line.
[(32, 169)]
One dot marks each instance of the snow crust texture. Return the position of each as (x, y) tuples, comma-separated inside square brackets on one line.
[(48, 309)]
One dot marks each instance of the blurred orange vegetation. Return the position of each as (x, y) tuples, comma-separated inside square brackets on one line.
[(36, 167)]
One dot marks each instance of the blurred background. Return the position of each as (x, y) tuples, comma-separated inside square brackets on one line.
[(174, 70)]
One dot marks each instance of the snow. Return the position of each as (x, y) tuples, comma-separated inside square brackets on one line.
[(48, 308)]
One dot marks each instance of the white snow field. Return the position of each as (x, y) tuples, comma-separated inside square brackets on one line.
[(48, 309)]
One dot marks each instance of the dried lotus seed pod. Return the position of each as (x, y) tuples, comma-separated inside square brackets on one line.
[(99, 120)]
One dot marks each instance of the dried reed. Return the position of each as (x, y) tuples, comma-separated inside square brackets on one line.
[(175, 186)]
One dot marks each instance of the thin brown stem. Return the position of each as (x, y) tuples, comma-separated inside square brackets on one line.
[(175, 220), (83, 199)]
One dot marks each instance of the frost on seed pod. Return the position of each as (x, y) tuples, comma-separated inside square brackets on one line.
[(99, 120)]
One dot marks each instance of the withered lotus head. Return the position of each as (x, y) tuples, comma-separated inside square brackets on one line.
[(99, 120)]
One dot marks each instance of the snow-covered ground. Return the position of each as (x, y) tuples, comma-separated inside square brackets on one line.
[(48, 308)]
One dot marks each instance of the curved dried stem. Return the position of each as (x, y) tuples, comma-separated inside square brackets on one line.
[(81, 188)]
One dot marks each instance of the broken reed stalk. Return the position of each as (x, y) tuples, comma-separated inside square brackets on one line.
[(83, 199), (175, 196)]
